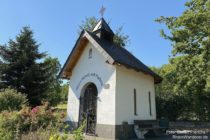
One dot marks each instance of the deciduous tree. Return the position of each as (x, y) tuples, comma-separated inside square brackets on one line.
[(120, 38), (190, 37)]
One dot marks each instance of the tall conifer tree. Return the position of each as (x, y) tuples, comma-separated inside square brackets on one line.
[(22, 67)]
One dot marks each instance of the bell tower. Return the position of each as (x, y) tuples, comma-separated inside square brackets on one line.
[(103, 31)]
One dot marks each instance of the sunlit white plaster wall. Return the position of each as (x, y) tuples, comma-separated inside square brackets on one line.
[(126, 81), (106, 96)]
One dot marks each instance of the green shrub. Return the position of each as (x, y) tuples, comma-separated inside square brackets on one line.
[(8, 125), (172, 108), (39, 117), (31, 123), (49, 133), (12, 100), (78, 133)]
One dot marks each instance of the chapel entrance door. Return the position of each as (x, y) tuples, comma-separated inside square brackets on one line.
[(88, 108)]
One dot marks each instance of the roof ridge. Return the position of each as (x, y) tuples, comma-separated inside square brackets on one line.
[(117, 54)]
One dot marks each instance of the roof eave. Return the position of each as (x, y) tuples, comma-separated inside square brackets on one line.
[(85, 34), (69, 57)]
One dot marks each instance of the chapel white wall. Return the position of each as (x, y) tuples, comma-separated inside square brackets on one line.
[(126, 81), (106, 97)]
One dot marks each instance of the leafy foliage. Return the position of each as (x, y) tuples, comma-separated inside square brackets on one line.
[(121, 39), (78, 133), (53, 92), (16, 125), (64, 92), (173, 108), (88, 24), (12, 100), (190, 37), (8, 123), (178, 100)]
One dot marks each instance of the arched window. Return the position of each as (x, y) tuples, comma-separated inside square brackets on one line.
[(90, 53)]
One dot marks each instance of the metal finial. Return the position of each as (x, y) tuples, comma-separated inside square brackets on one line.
[(102, 10)]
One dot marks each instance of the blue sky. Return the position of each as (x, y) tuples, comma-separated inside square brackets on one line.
[(55, 23)]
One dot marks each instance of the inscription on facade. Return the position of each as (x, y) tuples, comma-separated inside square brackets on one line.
[(95, 75)]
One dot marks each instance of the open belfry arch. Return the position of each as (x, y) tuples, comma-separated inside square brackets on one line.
[(108, 85)]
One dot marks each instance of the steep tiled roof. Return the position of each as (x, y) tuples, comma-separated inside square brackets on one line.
[(124, 57), (116, 53)]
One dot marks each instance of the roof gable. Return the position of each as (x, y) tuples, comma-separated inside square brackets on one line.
[(76, 52), (111, 52)]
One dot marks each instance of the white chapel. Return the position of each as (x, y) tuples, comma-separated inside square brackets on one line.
[(109, 87)]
